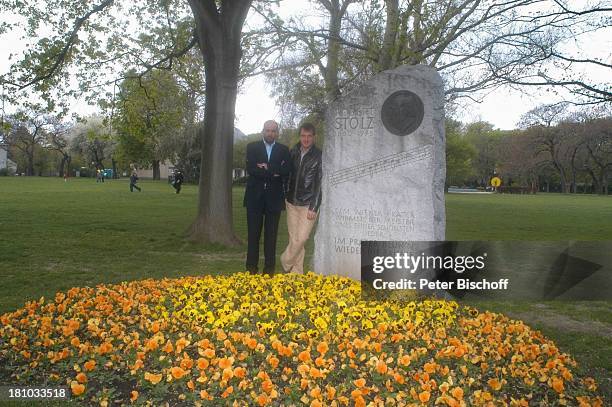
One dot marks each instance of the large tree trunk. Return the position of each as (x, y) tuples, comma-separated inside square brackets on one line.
[(219, 32), (214, 222), (332, 88), (415, 42), (62, 171), (156, 171), (30, 158), (595, 184), (574, 168), (98, 160), (562, 176), (68, 162), (114, 163), (387, 51)]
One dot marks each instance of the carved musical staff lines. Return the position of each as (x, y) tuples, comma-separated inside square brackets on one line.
[(382, 164)]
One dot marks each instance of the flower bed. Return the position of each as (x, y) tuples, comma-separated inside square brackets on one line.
[(286, 340)]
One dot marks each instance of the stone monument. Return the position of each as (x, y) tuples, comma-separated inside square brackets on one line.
[(384, 167)]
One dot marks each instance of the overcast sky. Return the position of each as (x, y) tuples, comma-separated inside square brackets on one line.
[(502, 107)]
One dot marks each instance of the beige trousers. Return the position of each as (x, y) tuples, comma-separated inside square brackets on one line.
[(299, 228)]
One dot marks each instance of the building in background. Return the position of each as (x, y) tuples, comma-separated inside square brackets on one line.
[(166, 168), (5, 163)]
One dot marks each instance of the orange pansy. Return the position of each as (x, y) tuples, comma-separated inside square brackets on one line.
[(181, 344), (424, 396), (77, 388), (105, 347), (262, 399), (225, 363), (457, 393), (430, 367), (186, 363), (304, 356), (252, 343), (151, 344), (267, 386), (404, 360), (495, 384), (227, 374), (315, 373), (202, 363), (303, 369), (240, 372), (227, 392), (177, 372), (153, 378), (381, 367), (557, 384), (322, 347), (274, 362), (168, 347)]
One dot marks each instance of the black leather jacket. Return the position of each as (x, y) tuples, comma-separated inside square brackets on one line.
[(304, 187)]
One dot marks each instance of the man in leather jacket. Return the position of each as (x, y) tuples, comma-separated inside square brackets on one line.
[(303, 197)]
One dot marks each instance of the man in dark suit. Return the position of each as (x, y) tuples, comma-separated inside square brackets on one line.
[(268, 163)]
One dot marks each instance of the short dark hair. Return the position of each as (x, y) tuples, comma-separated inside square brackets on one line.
[(308, 127)]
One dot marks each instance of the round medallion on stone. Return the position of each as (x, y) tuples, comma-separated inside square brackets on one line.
[(402, 112)]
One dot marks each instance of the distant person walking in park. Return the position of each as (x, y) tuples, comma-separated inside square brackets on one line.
[(303, 197), (133, 181), (178, 181), (99, 176), (268, 164)]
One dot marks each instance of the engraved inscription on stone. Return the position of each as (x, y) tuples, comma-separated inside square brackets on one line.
[(355, 119), (373, 224), (402, 113)]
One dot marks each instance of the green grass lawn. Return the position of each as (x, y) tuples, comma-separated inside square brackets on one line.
[(56, 235), (528, 217)]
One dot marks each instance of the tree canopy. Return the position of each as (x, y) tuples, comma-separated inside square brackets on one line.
[(476, 45), (149, 111)]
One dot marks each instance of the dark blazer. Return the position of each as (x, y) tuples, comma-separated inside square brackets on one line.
[(264, 188)]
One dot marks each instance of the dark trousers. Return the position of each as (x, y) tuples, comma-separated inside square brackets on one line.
[(177, 186), (132, 186), (255, 221)]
